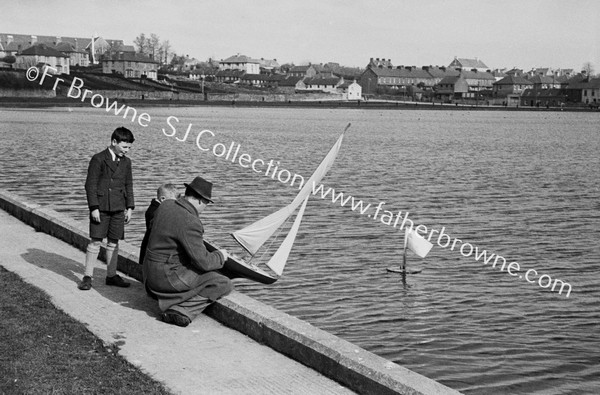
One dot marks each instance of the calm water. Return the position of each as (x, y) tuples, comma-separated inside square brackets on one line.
[(522, 185)]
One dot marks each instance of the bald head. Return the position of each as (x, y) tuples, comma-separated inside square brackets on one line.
[(166, 191)]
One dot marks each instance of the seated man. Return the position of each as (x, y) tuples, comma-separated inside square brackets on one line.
[(181, 272)]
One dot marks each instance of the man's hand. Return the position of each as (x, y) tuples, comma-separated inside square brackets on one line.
[(95, 215), (128, 215), (225, 254)]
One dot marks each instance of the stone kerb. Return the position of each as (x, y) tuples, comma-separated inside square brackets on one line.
[(44, 219), (356, 368)]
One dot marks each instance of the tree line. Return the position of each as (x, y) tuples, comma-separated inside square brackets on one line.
[(151, 45)]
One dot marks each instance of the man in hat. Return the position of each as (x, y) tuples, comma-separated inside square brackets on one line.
[(180, 270)]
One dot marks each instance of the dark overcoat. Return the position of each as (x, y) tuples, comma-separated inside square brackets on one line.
[(177, 263), (109, 184)]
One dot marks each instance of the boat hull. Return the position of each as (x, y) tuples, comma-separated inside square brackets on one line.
[(236, 267), (397, 269)]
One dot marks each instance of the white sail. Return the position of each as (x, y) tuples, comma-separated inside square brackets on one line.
[(253, 236), (278, 260), (416, 243)]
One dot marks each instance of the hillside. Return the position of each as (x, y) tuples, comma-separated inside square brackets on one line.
[(16, 79)]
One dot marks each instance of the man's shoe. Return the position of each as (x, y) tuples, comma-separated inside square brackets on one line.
[(85, 284), (175, 318), (117, 281)]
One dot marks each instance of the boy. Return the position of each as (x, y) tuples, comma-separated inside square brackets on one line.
[(164, 192), (109, 190)]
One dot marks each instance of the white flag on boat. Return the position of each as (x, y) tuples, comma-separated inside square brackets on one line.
[(416, 243)]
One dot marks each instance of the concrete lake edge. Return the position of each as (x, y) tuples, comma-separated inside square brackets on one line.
[(329, 355)]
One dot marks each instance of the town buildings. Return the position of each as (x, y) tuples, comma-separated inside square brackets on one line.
[(381, 77), (469, 80), (462, 80), (43, 54), (468, 64), (77, 57), (240, 62), (130, 65)]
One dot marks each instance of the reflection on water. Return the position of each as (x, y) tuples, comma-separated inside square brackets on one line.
[(522, 185)]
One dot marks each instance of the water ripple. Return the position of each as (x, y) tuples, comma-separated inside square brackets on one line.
[(521, 185)]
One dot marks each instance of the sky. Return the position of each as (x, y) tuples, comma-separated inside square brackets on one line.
[(501, 33)]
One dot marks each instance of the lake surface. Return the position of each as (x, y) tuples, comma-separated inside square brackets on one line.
[(523, 185)]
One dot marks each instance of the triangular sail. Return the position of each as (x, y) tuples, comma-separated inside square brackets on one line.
[(253, 236), (278, 260)]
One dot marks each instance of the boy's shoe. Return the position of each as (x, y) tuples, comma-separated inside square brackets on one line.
[(175, 318), (85, 284), (117, 281)]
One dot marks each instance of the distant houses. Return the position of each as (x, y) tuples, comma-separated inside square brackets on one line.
[(590, 91), (469, 80), (77, 57), (306, 71), (42, 54), (511, 87), (290, 84), (381, 77), (130, 65), (586, 91), (468, 64), (259, 80), (232, 76), (80, 51), (544, 82), (14, 43), (240, 62), (452, 87), (389, 80), (350, 90), (462, 80), (320, 84), (331, 79)]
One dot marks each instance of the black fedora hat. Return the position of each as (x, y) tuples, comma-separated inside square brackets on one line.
[(201, 187)]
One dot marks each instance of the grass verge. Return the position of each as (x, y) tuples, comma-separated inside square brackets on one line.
[(45, 351)]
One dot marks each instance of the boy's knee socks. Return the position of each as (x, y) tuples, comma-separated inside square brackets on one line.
[(112, 256), (91, 255)]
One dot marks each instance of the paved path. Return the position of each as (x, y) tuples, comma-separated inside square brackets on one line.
[(203, 358)]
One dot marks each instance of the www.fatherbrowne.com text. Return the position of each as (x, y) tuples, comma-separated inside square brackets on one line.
[(231, 152)]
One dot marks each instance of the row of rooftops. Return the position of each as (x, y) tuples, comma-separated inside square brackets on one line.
[(475, 65), (64, 48), (282, 80), (469, 68), (328, 79), (20, 42), (243, 59), (58, 52), (436, 74)]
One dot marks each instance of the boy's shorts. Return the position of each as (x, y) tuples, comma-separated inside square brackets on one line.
[(111, 225)]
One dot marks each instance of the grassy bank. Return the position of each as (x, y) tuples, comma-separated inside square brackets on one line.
[(45, 351)]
